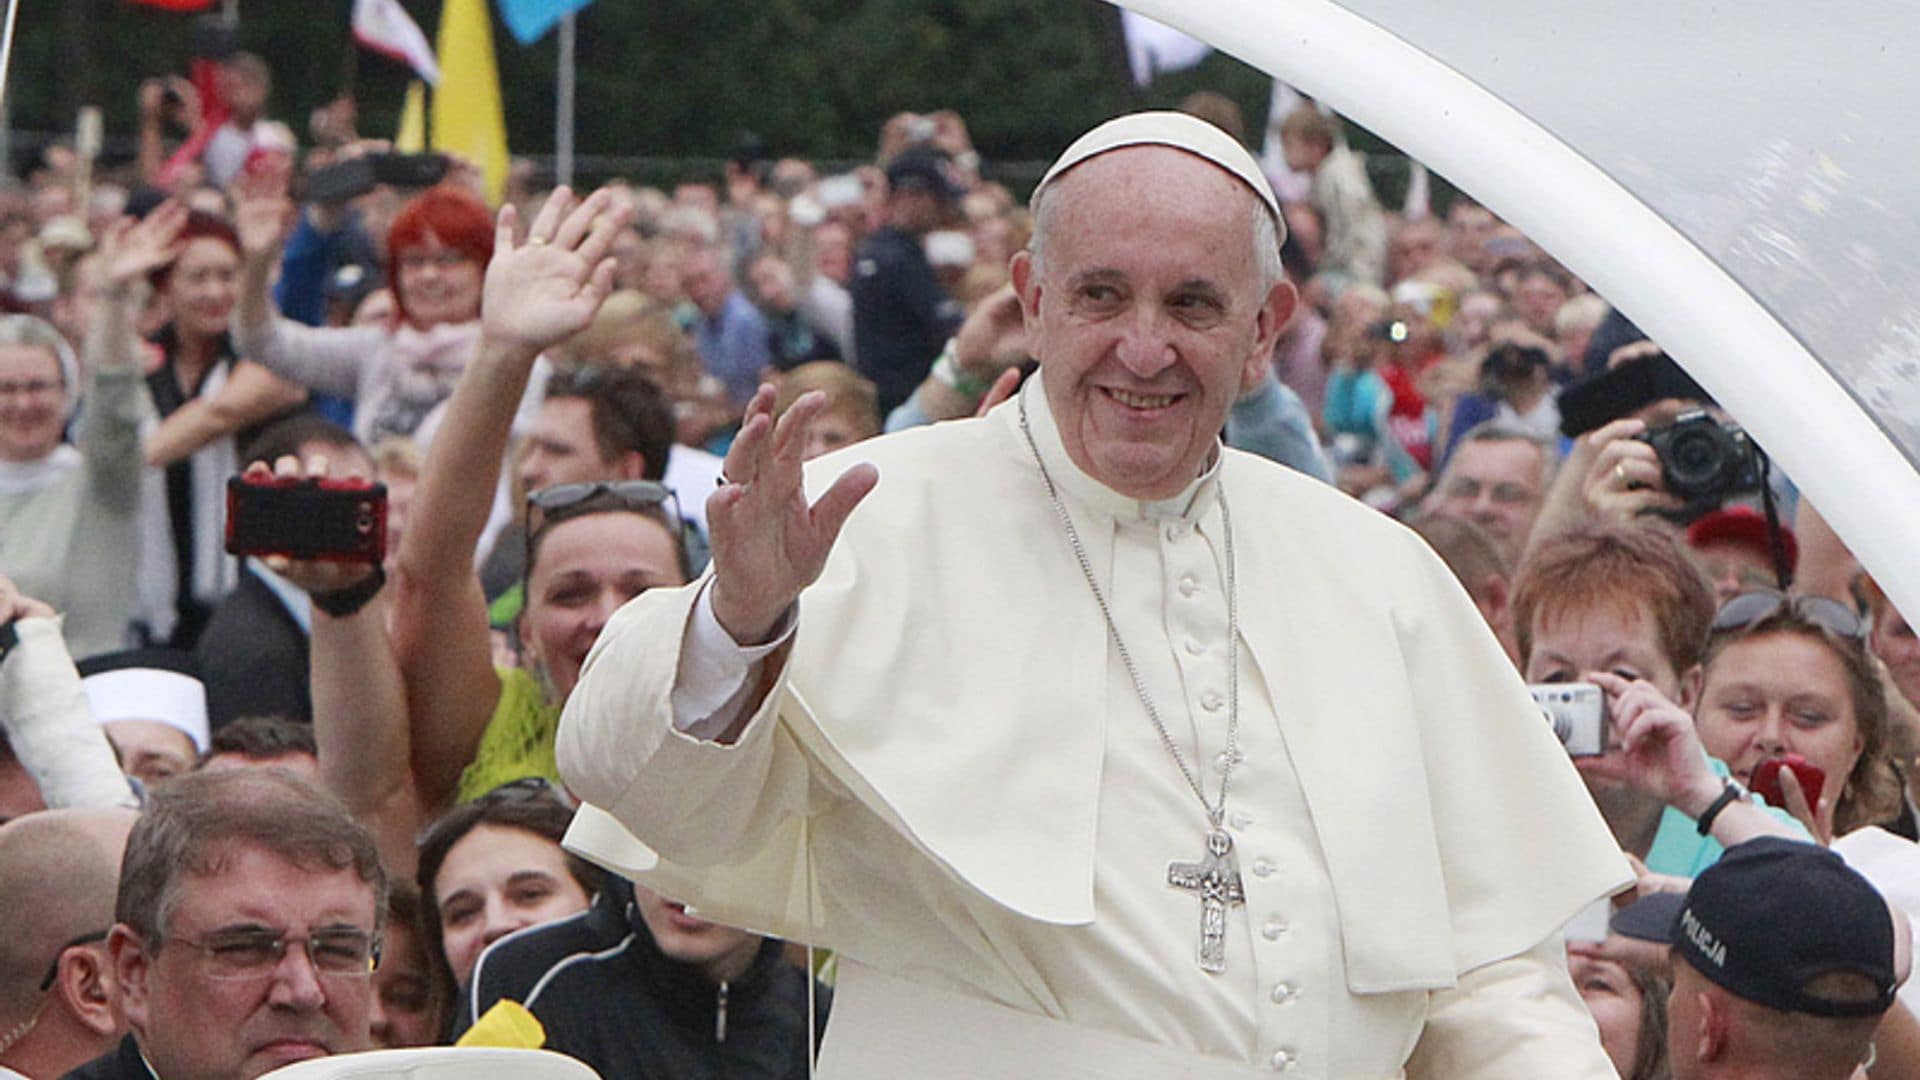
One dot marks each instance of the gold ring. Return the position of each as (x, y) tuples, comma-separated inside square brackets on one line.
[(536, 239), (1620, 474)]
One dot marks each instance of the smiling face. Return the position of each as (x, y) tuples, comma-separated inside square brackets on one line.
[(584, 570), (1777, 694), (439, 284), (1149, 313), (33, 403), (495, 880), (203, 286), (191, 1024)]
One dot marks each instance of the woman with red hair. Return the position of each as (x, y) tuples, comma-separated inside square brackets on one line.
[(396, 373)]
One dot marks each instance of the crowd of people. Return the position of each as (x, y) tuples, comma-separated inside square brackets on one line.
[(206, 758)]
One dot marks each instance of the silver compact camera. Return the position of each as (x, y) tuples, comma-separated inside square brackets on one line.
[(1577, 714)]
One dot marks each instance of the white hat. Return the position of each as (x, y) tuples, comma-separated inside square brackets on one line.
[(1178, 130), (157, 685)]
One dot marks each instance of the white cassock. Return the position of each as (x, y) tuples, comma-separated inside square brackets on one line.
[(954, 784)]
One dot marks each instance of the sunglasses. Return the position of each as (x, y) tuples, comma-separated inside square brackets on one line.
[(535, 789), (1748, 610)]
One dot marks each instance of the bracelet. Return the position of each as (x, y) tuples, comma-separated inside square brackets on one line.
[(1728, 795), (946, 368), (9, 637), (341, 603)]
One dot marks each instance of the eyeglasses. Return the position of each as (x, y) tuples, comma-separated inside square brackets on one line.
[(28, 387), (443, 259), (1750, 609), (53, 969), (250, 954)]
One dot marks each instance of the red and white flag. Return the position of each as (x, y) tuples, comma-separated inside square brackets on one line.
[(386, 28)]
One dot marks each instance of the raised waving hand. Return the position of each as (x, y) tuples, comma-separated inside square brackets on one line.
[(769, 543)]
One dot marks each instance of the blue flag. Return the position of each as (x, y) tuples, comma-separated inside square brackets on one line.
[(529, 20)]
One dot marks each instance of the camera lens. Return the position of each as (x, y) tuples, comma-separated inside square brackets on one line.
[(1695, 458)]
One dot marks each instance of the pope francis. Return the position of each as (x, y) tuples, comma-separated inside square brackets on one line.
[(1093, 747)]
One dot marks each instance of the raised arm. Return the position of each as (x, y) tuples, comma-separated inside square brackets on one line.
[(537, 293), (44, 713), (117, 403), (327, 359), (359, 705), (251, 394)]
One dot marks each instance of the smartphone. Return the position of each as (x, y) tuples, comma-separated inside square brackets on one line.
[(1766, 779), (328, 520)]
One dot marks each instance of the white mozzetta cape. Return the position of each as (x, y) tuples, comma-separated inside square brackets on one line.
[(927, 769)]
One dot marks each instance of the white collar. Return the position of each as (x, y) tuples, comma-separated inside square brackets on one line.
[(27, 477)]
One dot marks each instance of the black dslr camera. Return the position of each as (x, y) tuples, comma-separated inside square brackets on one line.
[(1704, 461)]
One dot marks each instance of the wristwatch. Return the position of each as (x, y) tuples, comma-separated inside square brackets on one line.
[(341, 603)]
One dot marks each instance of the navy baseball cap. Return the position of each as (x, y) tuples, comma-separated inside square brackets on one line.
[(1774, 915)]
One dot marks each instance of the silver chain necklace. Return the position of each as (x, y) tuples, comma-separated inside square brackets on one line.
[(1216, 877)]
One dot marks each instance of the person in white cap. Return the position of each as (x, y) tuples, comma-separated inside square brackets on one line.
[(1093, 747)]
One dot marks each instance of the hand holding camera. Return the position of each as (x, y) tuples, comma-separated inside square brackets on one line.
[(1624, 478), (1659, 752)]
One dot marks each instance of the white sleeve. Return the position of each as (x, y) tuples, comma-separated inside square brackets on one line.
[(716, 672), (45, 716)]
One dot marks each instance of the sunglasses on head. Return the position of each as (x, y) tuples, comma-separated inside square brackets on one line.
[(530, 789), (635, 493), (1750, 609)]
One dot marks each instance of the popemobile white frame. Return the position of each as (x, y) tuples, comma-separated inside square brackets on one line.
[(1812, 426)]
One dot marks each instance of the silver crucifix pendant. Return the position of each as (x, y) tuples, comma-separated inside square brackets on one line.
[(1217, 881)]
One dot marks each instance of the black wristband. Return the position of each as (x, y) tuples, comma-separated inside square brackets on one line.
[(1728, 795), (341, 603), (9, 637)]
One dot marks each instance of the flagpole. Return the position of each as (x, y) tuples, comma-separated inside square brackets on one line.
[(563, 106)]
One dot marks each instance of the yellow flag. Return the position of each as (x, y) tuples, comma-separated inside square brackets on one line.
[(467, 116), (412, 136)]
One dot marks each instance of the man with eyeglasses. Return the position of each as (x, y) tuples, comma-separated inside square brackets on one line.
[(57, 872), (1496, 478), (246, 930)]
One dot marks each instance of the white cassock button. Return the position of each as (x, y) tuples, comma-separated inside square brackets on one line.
[(1222, 759), (1240, 821), (1176, 531), (1283, 993), (1189, 585), (1263, 868), (1282, 1060), (1275, 929), (1212, 701), (1194, 647)]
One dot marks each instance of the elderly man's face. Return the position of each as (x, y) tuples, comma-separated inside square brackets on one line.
[(194, 1021), (1149, 314)]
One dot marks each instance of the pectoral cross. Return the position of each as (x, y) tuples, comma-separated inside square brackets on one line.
[(1217, 881)]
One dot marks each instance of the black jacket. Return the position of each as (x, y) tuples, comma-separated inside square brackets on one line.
[(607, 996), (123, 1062)]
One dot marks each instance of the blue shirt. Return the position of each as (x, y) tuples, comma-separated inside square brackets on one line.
[(734, 346), (1680, 851)]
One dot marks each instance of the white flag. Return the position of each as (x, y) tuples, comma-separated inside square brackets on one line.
[(386, 28), (1154, 48)]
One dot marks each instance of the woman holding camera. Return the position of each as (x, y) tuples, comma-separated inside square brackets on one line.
[(437, 250)]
